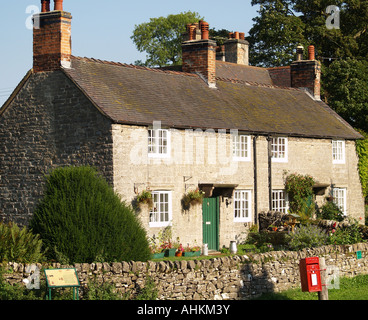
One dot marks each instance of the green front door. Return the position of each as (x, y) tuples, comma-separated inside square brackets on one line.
[(211, 215)]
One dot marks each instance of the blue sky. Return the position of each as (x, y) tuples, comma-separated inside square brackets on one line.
[(102, 29)]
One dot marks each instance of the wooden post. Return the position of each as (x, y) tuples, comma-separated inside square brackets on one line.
[(323, 295)]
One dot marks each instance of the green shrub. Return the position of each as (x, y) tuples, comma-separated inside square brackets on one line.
[(330, 211), (306, 236), (346, 235), (82, 219), (98, 291), (300, 191), (19, 245)]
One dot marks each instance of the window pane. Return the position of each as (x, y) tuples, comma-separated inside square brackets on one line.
[(242, 205)]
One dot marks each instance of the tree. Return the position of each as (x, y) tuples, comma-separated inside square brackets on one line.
[(283, 24), (161, 38), (346, 90), (275, 34), (82, 220)]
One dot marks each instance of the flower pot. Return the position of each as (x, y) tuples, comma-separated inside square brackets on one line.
[(158, 255), (178, 254), (170, 252), (192, 253), (189, 254)]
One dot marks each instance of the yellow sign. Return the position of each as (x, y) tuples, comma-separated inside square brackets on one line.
[(62, 277)]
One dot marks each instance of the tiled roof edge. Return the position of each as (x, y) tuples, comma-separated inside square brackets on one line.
[(133, 66)]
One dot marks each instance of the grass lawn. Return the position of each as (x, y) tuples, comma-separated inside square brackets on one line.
[(350, 289)]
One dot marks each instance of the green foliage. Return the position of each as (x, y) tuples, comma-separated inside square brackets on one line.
[(275, 34), (306, 236), (346, 235), (283, 24), (19, 245), (330, 211), (17, 291), (362, 151), (149, 291), (300, 191), (81, 219), (98, 291), (161, 38), (266, 241), (346, 86)]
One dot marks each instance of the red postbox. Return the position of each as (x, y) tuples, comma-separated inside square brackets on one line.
[(310, 274)]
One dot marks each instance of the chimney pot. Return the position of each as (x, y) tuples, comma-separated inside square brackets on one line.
[(205, 30), (192, 32), (230, 35), (45, 5), (299, 53), (236, 35), (242, 36), (311, 53), (58, 5)]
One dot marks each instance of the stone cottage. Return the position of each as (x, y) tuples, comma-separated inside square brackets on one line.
[(215, 124)]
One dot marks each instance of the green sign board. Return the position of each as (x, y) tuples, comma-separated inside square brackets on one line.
[(359, 254), (62, 278)]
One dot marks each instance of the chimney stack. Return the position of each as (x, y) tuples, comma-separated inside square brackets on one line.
[(307, 73), (51, 38), (199, 55), (237, 48)]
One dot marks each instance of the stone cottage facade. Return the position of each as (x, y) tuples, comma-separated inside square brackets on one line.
[(215, 124)]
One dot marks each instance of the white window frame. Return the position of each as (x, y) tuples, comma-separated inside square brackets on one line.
[(277, 144), (339, 198), (155, 217), (241, 147), (156, 139), (243, 206), (338, 151), (280, 201)]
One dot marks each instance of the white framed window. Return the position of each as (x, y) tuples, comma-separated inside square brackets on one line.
[(339, 198), (161, 212), (279, 149), (243, 206), (338, 151), (158, 143), (241, 147), (280, 201)]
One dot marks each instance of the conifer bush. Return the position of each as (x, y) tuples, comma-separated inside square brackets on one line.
[(82, 220), (19, 244)]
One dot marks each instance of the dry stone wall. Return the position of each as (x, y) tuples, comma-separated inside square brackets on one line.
[(226, 278)]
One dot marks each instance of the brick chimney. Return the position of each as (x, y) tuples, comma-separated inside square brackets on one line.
[(237, 49), (199, 54), (307, 73), (51, 38)]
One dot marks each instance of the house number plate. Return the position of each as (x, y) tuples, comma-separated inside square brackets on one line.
[(208, 222)]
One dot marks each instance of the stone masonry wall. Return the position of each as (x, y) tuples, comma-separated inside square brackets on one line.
[(49, 123), (226, 278)]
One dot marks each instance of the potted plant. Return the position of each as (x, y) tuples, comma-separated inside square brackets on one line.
[(145, 197), (179, 251), (156, 250), (169, 249), (193, 198), (192, 251)]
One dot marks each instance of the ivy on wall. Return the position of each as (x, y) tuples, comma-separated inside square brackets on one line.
[(362, 151)]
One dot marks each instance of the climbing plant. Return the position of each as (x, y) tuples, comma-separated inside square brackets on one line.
[(362, 151), (300, 190)]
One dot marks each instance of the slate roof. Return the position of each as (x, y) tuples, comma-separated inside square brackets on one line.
[(137, 95)]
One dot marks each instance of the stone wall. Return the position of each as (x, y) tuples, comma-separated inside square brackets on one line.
[(49, 123), (226, 278)]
